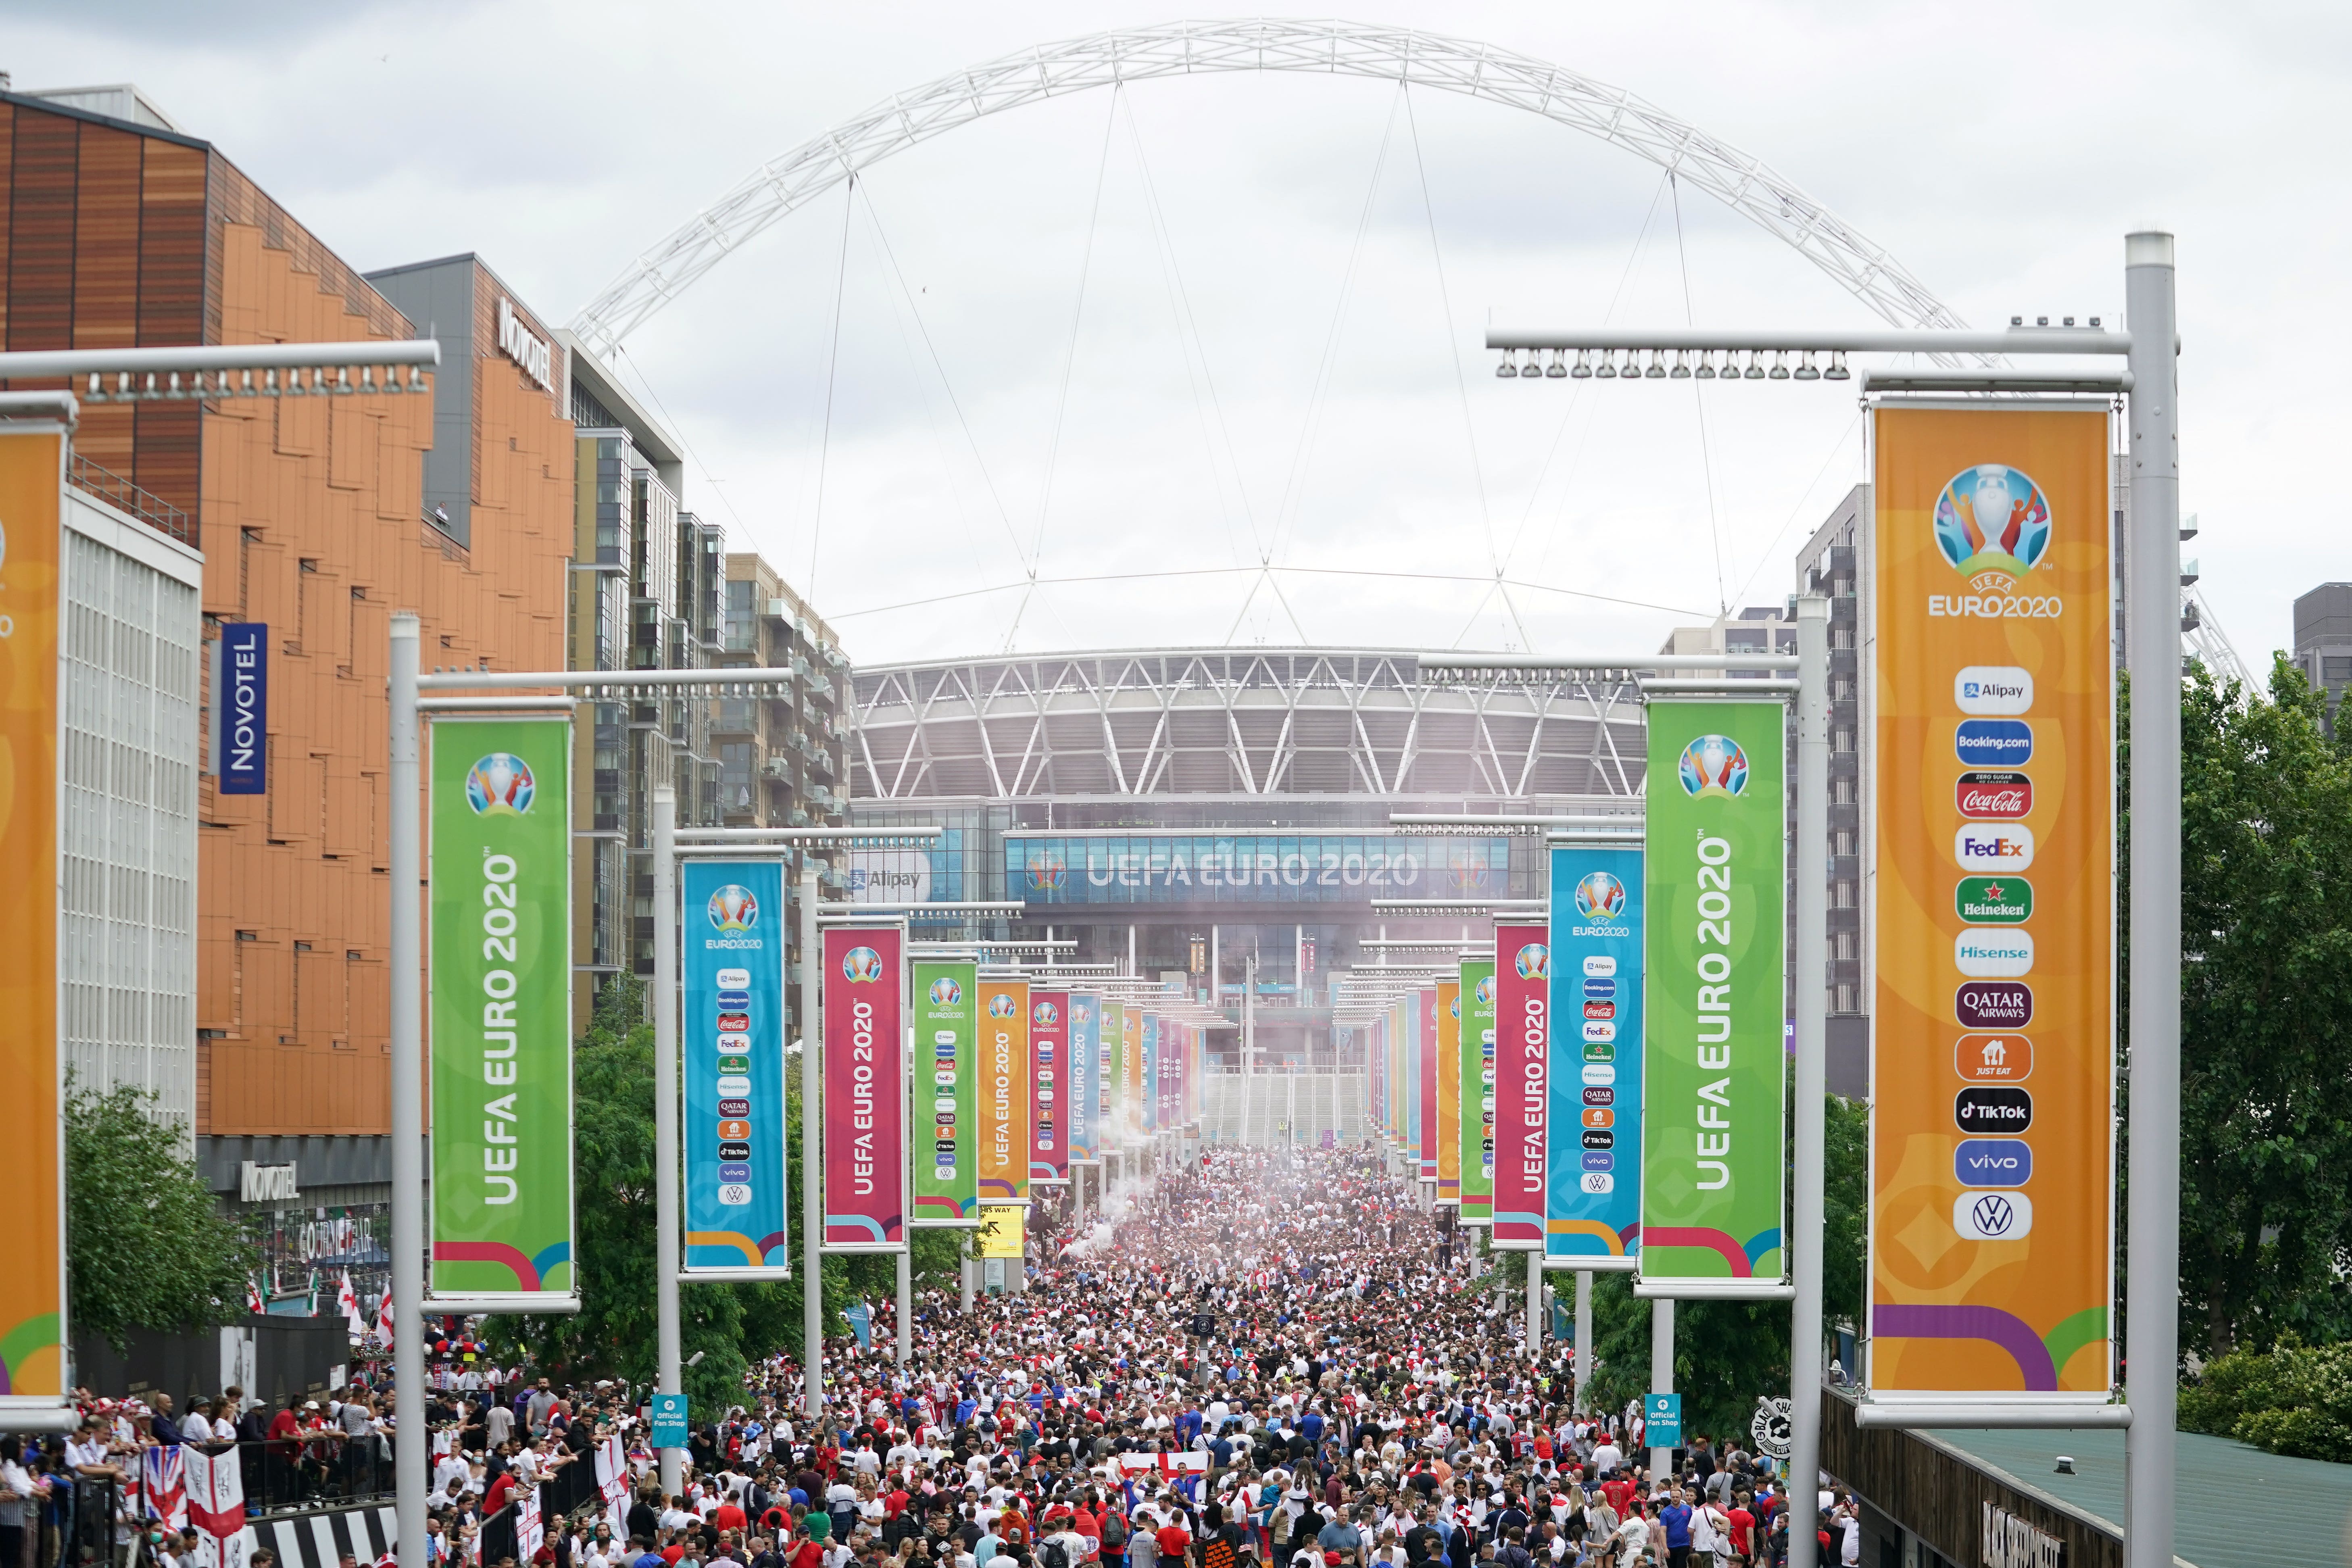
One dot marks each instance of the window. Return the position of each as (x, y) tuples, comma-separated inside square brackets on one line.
[(2336, 667)]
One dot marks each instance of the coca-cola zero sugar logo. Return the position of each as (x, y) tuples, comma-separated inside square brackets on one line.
[(1993, 1004), (1995, 796)]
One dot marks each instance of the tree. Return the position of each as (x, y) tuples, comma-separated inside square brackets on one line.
[(147, 1246), (2265, 1013), (615, 1332), (1846, 1211)]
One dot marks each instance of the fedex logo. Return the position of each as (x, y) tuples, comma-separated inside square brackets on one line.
[(1977, 848)]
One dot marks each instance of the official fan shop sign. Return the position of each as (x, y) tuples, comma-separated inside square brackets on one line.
[(864, 1007), (1594, 1217), (1992, 1163), (1049, 1089), (731, 967), (1004, 1116), (1714, 1060), (1478, 1091), (1522, 1085), (501, 959), (946, 1069), (32, 1118)]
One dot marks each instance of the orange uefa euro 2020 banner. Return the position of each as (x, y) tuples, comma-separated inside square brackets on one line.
[(33, 1284), (1992, 1160), (1003, 1115)]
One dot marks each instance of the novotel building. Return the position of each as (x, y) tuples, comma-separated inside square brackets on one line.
[(1196, 807)]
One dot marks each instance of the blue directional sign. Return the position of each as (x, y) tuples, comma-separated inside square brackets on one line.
[(669, 1420), (1663, 1413)]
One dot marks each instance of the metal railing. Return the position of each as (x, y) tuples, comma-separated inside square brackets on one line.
[(121, 494)]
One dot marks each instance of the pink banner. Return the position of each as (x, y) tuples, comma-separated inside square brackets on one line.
[(1522, 1084), (1049, 1088), (1426, 1052), (865, 1089)]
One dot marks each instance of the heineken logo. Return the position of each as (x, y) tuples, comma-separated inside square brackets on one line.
[(1994, 900)]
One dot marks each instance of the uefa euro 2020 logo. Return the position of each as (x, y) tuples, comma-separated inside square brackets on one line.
[(1534, 961), (1713, 764), (1992, 523), (1044, 1013), (861, 965), (499, 786), (1000, 1005), (1485, 991), (1600, 896), (1047, 873), (733, 907), (945, 992)]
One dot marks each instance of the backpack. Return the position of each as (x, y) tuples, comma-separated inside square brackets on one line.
[(1053, 1556), (1114, 1530)]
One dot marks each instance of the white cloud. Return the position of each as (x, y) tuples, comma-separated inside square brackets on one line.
[(2000, 150)]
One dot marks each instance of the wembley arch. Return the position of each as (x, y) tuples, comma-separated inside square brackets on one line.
[(778, 187)]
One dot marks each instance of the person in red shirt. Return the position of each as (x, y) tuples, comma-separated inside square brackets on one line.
[(727, 1516), (1619, 1491), (500, 1490), (1743, 1527), (805, 1553), (1175, 1542)]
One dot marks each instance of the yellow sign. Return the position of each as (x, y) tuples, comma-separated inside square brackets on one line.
[(1000, 1229), (1993, 1165), (32, 1116)]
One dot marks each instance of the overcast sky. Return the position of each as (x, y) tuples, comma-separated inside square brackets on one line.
[(1275, 353)]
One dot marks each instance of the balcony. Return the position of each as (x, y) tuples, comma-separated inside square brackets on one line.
[(122, 495)]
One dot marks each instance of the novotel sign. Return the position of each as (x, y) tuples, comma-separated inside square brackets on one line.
[(240, 711), (523, 346)]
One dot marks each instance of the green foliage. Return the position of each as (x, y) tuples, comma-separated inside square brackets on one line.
[(2265, 1015), (2292, 1399), (1845, 1210), (148, 1247), (614, 1335), (1726, 1354)]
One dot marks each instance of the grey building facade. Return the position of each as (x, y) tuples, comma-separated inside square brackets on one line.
[(1835, 563), (2323, 641)]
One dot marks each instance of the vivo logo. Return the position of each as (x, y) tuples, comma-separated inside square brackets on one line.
[(1994, 688), (1979, 849), (1993, 1162)]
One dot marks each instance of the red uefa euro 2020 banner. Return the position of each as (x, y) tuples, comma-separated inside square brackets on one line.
[(1049, 1088), (1522, 1084), (865, 1089)]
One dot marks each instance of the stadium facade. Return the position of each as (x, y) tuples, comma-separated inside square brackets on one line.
[(1195, 808)]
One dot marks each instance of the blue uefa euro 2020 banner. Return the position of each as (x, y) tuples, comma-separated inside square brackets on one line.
[(1246, 868), (1593, 1206), (1151, 1075), (732, 973)]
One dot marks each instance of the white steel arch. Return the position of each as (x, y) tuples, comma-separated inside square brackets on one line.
[(1191, 48)]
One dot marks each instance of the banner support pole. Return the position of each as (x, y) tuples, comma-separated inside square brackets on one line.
[(411, 1471), (1534, 1305), (1582, 1374), (667, 1352), (2152, 641), (812, 1172), (1661, 1374), (907, 1302), (1805, 1203)]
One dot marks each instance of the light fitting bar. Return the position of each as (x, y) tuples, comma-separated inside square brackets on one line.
[(1513, 334), (968, 908), (1878, 378), (61, 406), (875, 837), (615, 680), (206, 371), (1726, 684), (1609, 663), (495, 704), (1468, 908), (1518, 824)]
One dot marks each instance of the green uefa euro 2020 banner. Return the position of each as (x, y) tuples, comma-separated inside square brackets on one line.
[(1477, 1099), (501, 1015), (1714, 1056), (947, 1072)]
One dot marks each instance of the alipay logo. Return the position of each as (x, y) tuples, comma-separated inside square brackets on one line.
[(1994, 688), (499, 786)]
